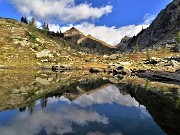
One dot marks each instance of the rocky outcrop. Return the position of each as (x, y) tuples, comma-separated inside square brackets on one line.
[(167, 77), (95, 70), (163, 29)]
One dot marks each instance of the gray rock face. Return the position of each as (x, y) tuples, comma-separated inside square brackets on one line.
[(164, 28)]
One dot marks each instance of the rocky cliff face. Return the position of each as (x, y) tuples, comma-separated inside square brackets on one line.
[(163, 29)]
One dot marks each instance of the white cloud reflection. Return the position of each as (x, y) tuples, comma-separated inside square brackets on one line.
[(58, 118)]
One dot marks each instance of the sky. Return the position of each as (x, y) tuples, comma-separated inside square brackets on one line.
[(108, 20)]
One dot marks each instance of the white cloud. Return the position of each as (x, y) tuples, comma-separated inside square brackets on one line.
[(69, 11), (64, 10), (56, 121), (110, 35), (148, 18)]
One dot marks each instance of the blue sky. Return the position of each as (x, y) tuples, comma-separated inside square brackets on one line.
[(110, 14)]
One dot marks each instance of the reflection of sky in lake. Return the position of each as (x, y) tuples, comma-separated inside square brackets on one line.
[(105, 111)]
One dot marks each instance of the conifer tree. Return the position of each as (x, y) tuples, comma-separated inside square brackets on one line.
[(148, 55), (136, 48), (22, 19), (32, 23), (45, 27), (25, 20), (61, 34)]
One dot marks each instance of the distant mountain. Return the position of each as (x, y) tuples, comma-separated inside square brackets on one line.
[(74, 35), (87, 43), (163, 29)]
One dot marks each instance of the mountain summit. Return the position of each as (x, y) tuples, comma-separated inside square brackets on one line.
[(88, 43), (162, 30)]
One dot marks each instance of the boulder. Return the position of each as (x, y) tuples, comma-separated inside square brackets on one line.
[(95, 70), (121, 70), (174, 63), (113, 80), (113, 57)]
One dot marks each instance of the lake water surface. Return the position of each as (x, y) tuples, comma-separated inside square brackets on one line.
[(54, 104)]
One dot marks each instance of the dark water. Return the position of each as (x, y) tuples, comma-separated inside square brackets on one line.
[(92, 107)]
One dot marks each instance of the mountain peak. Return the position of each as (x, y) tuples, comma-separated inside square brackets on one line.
[(73, 31), (164, 28)]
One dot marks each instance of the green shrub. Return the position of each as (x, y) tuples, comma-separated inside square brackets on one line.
[(36, 48), (148, 55), (176, 48), (32, 23), (136, 48)]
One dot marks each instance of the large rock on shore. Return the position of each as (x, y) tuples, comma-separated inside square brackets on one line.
[(168, 77), (95, 70)]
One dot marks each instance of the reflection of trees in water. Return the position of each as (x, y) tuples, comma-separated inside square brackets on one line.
[(44, 102), (22, 109), (31, 106)]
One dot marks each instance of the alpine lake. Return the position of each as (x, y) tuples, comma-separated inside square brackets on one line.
[(80, 103)]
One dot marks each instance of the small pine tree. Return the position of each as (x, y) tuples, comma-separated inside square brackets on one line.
[(136, 48), (61, 34), (148, 55), (25, 20), (32, 23), (45, 27), (22, 19), (57, 33)]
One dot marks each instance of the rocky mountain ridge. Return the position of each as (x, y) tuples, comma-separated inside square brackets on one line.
[(88, 43), (163, 30)]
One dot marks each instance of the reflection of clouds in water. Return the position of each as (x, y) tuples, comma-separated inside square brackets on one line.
[(60, 120), (110, 94), (55, 100), (57, 121)]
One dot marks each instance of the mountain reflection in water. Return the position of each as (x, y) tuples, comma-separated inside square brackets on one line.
[(82, 107)]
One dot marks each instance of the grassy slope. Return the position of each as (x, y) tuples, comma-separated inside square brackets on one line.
[(19, 44)]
